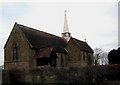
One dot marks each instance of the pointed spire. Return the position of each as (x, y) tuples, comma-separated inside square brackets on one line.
[(65, 24), (66, 35)]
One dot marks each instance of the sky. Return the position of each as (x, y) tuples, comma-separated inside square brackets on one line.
[(97, 22)]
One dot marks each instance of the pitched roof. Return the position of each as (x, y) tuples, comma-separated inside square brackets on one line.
[(83, 45), (44, 52), (40, 39)]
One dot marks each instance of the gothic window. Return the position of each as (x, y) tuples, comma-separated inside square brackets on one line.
[(84, 56), (61, 60), (15, 53)]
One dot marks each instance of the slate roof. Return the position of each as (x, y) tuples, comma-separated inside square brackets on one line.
[(39, 39), (83, 45), (44, 52)]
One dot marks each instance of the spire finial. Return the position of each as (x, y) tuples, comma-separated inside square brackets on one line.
[(65, 24)]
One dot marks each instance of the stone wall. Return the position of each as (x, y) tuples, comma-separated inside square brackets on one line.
[(61, 60), (74, 57), (16, 38)]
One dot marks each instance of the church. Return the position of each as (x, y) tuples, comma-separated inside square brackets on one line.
[(27, 48)]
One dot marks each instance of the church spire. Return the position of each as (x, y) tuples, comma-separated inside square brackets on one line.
[(65, 24), (66, 35)]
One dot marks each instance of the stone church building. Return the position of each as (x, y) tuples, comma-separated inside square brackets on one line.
[(27, 48)]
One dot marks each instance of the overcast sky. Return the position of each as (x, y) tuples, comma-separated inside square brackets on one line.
[(97, 22)]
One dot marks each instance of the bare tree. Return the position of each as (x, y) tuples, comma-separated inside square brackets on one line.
[(100, 57), (104, 58)]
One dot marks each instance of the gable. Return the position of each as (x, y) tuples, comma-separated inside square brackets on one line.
[(16, 36), (44, 53), (17, 40), (83, 46)]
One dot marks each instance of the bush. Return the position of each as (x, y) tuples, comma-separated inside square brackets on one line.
[(90, 75)]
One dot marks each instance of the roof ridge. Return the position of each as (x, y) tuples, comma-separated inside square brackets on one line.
[(78, 39)]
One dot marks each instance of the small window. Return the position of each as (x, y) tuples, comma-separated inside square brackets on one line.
[(84, 56), (61, 60), (15, 53)]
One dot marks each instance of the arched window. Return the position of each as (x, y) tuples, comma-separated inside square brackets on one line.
[(15, 53), (61, 60), (84, 56)]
